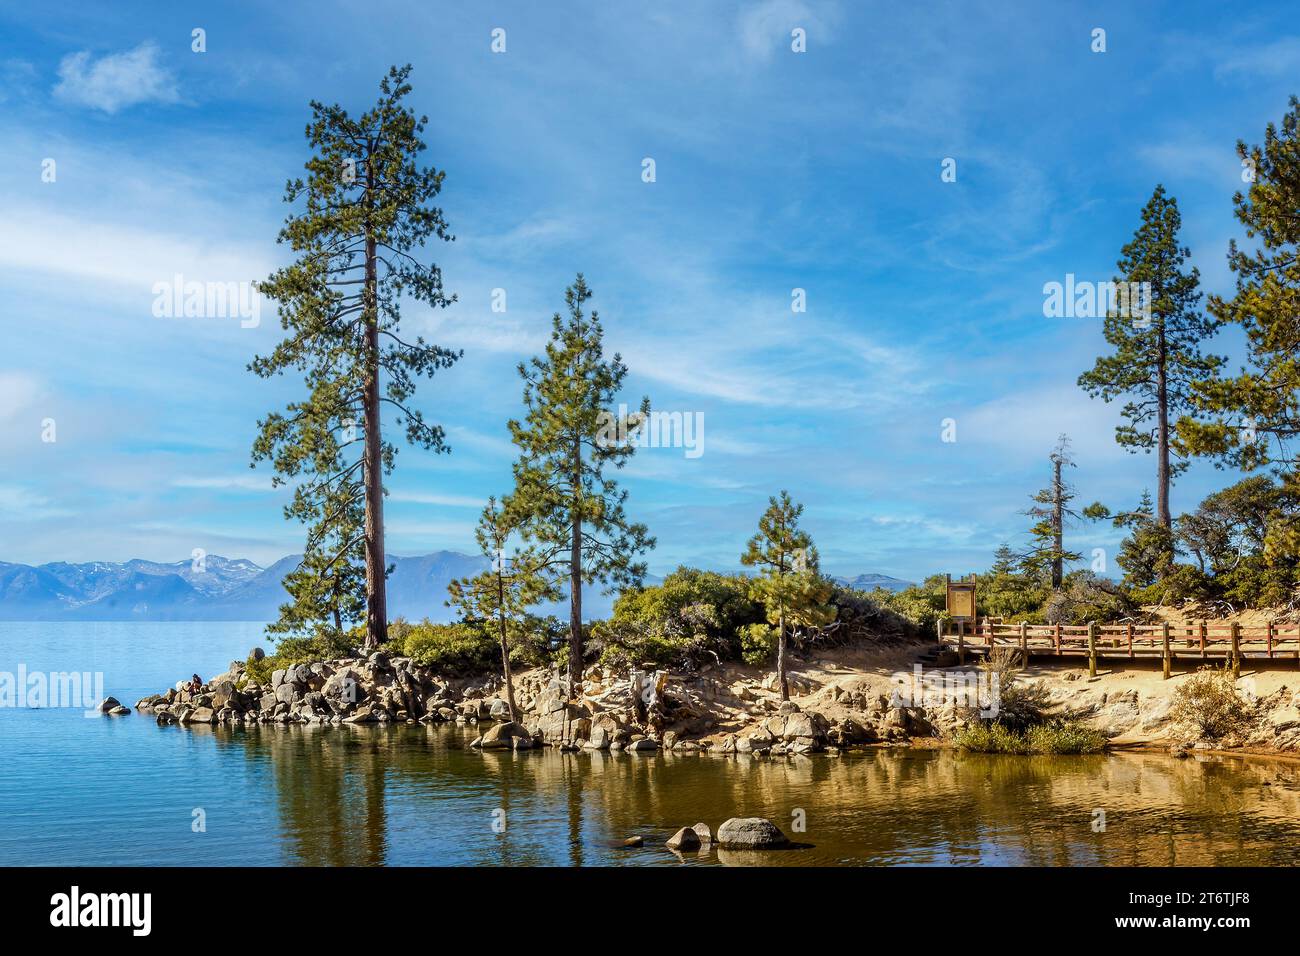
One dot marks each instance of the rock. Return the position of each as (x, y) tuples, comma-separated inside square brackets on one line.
[(119, 711), (684, 839), (201, 715), (644, 744), (277, 678), (704, 834), (750, 833), (634, 841), (256, 654), (285, 693), (107, 704), (501, 736), (361, 715), (599, 739)]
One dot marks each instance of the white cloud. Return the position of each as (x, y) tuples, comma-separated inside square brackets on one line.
[(765, 27), (226, 482), (115, 81)]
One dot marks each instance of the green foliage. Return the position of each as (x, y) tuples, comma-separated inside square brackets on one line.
[(1049, 738), (1255, 415), (922, 606), (1065, 737), (463, 647), (758, 644), (1207, 704), (565, 502), (692, 618)]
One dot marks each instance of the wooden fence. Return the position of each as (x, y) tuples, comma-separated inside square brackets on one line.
[(1186, 642)]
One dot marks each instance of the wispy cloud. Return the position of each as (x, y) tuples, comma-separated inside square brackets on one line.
[(115, 81)]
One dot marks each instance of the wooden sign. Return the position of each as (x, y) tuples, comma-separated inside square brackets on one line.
[(961, 599)]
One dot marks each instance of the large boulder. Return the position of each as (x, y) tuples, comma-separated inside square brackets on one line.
[(502, 736), (107, 704), (750, 833)]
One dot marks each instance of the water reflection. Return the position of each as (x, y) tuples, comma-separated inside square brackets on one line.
[(369, 796)]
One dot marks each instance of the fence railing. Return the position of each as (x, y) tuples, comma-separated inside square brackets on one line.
[(1207, 640)]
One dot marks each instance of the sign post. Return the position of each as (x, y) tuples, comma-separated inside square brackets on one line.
[(960, 603)]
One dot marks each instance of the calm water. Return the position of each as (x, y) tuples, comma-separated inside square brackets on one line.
[(125, 791)]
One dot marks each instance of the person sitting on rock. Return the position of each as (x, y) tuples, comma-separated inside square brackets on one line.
[(195, 684)]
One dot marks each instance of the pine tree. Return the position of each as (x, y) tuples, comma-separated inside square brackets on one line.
[(366, 208), (564, 502), (1256, 414), (781, 552), (1046, 556), (502, 595), (1157, 355)]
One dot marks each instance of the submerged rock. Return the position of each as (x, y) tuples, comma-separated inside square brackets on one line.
[(684, 839)]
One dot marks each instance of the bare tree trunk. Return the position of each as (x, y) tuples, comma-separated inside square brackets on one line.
[(376, 596)]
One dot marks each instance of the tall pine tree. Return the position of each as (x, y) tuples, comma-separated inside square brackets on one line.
[(1046, 556), (366, 208), (564, 501), (1256, 414), (1157, 356)]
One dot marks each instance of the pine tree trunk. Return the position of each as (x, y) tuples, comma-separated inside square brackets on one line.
[(1162, 438), (1058, 524), (376, 598), (780, 657), (575, 579), (505, 646)]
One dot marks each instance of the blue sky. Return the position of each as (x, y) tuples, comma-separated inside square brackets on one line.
[(775, 170)]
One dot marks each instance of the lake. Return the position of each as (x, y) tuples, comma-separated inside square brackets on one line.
[(124, 791)]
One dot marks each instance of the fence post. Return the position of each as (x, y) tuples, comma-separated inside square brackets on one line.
[(1270, 639), (1167, 664), (1058, 639), (1024, 644), (1204, 628), (1236, 649), (1130, 640), (961, 642), (1092, 648)]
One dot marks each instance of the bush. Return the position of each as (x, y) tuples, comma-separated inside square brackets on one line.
[(1208, 704), (465, 647), (987, 737), (1065, 737), (758, 644), (1020, 705), (1056, 737), (694, 617)]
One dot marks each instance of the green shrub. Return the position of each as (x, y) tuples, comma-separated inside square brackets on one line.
[(758, 644), (464, 647), (1207, 704), (1055, 737), (1065, 737), (987, 737)]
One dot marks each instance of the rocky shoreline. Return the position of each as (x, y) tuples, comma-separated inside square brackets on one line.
[(844, 701)]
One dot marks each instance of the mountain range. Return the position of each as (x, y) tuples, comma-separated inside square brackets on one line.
[(236, 589)]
